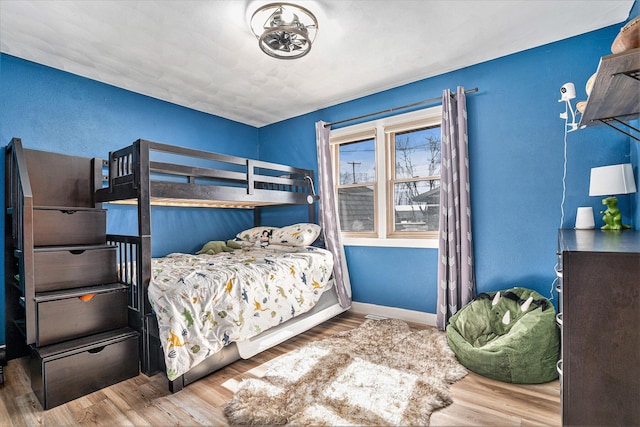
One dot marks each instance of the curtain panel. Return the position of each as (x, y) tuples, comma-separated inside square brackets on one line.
[(328, 216), (456, 279)]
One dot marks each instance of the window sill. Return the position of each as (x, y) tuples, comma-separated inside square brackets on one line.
[(391, 243)]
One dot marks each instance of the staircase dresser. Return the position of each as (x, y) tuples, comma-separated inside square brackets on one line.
[(64, 306), (599, 274)]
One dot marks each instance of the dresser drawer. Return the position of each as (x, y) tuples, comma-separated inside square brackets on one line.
[(77, 316), (61, 373), (63, 227), (67, 268)]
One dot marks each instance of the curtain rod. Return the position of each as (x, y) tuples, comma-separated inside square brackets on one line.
[(391, 110)]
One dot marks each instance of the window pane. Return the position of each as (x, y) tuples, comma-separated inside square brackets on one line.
[(358, 162), (417, 153), (356, 208), (416, 205)]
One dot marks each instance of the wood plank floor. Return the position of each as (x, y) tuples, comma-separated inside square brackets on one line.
[(145, 401)]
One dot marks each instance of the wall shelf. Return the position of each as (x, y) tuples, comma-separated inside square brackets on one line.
[(615, 97)]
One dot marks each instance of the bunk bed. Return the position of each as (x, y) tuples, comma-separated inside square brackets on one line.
[(155, 174)]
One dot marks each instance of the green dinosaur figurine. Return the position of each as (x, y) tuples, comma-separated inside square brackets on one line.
[(612, 217)]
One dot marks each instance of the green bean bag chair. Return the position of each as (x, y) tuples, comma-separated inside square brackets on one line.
[(509, 336)]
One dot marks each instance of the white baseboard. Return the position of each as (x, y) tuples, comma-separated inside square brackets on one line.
[(394, 313)]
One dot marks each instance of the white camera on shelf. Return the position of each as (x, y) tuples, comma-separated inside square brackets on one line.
[(567, 93)]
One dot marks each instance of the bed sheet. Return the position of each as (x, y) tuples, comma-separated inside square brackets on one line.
[(204, 302)]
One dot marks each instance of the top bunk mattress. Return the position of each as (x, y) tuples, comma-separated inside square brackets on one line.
[(204, 302)]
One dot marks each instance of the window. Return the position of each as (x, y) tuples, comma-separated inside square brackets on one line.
[(388, 179), (414, 181), (356, 186)]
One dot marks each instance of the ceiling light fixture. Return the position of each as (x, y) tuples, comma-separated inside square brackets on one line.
[(284, 30)]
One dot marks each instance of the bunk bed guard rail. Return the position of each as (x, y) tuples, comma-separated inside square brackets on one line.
[(183, 176), (133, 261)]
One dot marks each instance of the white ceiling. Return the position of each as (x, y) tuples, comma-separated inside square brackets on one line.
[(203, 55)]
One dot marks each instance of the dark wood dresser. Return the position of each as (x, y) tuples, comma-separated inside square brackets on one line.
[(64, 305), (599, 291)]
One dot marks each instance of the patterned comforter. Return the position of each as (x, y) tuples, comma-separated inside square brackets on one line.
[(204, 302)]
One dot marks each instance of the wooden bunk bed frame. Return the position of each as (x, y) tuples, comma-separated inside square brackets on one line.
[(232, 182)]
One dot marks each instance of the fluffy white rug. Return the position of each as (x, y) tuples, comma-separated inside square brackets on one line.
[(380, 373)]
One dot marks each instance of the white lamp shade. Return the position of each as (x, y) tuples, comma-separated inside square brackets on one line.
[(611, 180)]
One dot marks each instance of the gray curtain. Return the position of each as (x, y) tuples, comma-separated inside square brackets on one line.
[(329, 220), (456, 281)]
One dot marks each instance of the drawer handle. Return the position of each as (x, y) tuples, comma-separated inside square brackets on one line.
[(87, 297), (68, 212), (559, 366), (96, 350), (77, 252)]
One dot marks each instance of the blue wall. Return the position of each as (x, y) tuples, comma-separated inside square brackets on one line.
[(56, 111), (635, 160), (516, 165), (516, 151)]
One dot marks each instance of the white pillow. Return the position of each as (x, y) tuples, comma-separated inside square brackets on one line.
[(252, 235), (303, 234)]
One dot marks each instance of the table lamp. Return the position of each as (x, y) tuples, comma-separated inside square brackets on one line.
[(609, 181)]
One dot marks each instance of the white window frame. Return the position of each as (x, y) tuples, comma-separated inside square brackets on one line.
[(380, 130)]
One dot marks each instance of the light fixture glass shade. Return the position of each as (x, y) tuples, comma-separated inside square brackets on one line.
[(284, 30), (612, 180)]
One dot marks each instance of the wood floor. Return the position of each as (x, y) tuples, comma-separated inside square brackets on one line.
[(144, 401)]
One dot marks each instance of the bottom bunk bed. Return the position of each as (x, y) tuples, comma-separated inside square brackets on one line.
[(326, 308), (209, 310)]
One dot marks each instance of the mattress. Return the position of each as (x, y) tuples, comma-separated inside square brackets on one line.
[(204, 302)]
